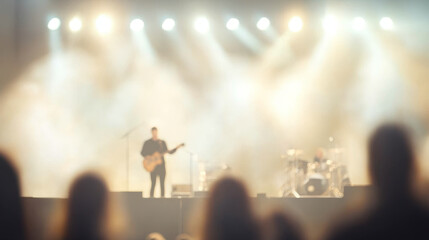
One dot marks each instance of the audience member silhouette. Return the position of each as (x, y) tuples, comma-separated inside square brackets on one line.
[(184, 236), (279, 226), (11, 213), (396, 214), (155, 236), (87, 209), (229, 215)]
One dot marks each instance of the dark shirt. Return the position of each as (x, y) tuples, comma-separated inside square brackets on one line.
[(319, 160), (151, 146)]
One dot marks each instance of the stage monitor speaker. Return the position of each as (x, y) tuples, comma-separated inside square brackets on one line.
[(181, 190), (201, 193), (261, 195)]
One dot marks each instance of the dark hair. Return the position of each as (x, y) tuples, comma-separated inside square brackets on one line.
[(154, 128), (391, 161), (11, 213), (279, 226), (229, 214), (184, 236), (87, 208), (155, 236)]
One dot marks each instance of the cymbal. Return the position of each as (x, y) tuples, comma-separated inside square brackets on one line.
[(292, 152)]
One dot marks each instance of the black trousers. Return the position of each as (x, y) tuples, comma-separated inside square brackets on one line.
[(159, 171)]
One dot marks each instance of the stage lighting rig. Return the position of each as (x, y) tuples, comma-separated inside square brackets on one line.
[(54, 24), (75, 24), (233, 24), (263, 24), (137, 25), (386, 23), (202, 25), (104, 24), (330, 24), (295, 24), (168, 24)]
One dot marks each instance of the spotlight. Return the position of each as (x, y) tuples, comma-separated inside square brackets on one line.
[(202, 25), (263, 24), (330, 24), (386, 23), (75, 24), (233, 24), (54, 24), (168, 24), (136, 25), (295, 24), (103, 23), (359, 23)]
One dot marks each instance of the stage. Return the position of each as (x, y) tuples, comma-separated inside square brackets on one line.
[(172, 216)]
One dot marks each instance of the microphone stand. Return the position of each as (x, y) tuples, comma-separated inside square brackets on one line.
[(127, 156), (191, 154)]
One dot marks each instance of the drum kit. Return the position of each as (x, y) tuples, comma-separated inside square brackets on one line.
[(324, 177)]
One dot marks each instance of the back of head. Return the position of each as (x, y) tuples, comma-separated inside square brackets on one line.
[(229, 213), (155, 236), (184, 236), (279, 226), (86, 208), (391, 162), (11, 215)]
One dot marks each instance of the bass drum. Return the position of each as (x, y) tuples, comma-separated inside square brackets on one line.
[(316, 184)]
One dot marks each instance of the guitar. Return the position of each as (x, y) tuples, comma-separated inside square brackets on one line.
[(151, 161)]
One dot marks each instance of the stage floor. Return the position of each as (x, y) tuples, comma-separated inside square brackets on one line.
[(172, 216)]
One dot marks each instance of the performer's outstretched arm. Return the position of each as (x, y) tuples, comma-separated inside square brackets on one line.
[(166, 149)]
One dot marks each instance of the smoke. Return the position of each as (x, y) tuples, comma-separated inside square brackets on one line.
[(70, 112)]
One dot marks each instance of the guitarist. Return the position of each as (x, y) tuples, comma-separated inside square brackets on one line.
[(151, 146)]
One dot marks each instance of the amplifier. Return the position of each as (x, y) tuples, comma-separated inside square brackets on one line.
[(181, 190)]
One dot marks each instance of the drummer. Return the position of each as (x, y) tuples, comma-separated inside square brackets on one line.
[(320, 156), (320, 160)]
